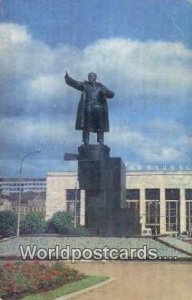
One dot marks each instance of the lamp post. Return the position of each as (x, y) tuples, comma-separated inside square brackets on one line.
[(75, 208), (20, 188)]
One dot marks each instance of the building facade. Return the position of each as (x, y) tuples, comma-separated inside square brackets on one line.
[(13, 185), (31, 202), (163, 199), (5, 204), (63, 194)]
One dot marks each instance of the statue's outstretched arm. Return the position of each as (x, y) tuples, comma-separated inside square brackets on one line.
[(107, 92), (74, 83)]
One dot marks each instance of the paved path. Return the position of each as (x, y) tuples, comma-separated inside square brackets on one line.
[(178, 243), (140, 281)]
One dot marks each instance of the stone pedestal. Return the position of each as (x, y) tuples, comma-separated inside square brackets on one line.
[(92, 161), (103, 179)]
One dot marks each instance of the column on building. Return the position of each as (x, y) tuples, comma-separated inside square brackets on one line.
[(142, 209), (162, 211), (188, 208), (182, 210), (82, 207)]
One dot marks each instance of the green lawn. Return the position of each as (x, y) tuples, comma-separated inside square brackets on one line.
[(67, 288), (11, 247)]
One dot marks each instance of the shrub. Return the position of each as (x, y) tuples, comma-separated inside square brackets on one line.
[(18, 278), (80, 231), (8, 223), (61, 222), (33, 223)]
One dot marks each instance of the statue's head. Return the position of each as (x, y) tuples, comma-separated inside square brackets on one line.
[(92, 77)]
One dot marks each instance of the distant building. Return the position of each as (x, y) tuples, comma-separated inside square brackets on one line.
[(163, 199), (30, 202), (13, 185), (5, 204)]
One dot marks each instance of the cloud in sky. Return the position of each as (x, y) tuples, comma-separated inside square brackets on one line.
[(139, 67), (153, 147), (37, 108)]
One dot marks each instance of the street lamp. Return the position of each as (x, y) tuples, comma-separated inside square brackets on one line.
[(20, 188), (75, 208)]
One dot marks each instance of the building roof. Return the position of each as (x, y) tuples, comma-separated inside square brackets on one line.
[(2, 179)]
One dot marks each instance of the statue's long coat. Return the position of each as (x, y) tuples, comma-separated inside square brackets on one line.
[(91, 93)]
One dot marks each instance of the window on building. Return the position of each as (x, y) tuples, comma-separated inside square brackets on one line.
[(153, 215), (188, 194), (172, 215), (189, 215), (74, 209), (172, 197), (72, 194), (152, 212), (132, 199), (73, 203), (172, 194), (133, 194), (71, 207), (152, 197), (152, 194), (133, 206)]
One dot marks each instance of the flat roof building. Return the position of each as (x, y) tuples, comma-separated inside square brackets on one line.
[(13, 185), (163, 199)]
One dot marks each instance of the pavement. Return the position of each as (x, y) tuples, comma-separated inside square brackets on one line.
[(139, 281)]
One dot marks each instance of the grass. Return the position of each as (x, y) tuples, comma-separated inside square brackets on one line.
[(10, 248), (67, 288)]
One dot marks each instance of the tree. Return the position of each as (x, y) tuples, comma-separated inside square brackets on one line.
[(8, 223), (61, 222), (33, 223)]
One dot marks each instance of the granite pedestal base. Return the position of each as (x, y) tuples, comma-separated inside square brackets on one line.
[(103, 179)]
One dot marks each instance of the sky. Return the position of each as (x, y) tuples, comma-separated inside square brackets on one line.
[(140, 49)]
